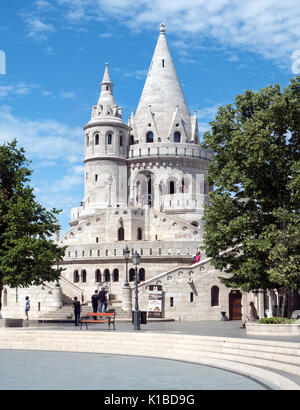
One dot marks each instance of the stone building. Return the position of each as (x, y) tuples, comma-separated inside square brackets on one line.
[(145, 188)]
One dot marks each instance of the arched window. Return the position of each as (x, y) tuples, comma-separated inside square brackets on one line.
[(214, 296), (131, 140), (76, 276), (87, 141), (109, 139), (172, 187), (176, 136), (142, 275), (149, 137), (139, 234), (121, 140), (97, 275), (116, 275), (97, 139), (131, 275), (106, 275), (83, 276), (121, 234)]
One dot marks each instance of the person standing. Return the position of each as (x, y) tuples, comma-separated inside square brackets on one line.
[(252, 316), (27, 306), (77, 310), (102, 300), (95, 301)]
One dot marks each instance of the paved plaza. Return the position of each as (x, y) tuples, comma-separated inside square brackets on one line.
[(68, 370), (200, 328)]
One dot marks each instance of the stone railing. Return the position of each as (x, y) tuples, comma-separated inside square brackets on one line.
[(70, 289), (168, 150), (184, 201)]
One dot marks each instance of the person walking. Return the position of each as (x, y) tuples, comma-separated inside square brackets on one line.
[(252, 316), (77, 310), (95, 302), (102, 300), (27, 306)]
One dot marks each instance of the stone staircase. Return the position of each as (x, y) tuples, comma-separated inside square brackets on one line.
[(66, 312)]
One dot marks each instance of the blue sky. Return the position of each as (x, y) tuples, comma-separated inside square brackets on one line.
[(55, 58)]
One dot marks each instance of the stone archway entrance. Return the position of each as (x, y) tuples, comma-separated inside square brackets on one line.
[(235, 305)]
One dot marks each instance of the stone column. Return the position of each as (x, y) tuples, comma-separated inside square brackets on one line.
[(127, 300), (57, 297), (270, 307), (260, 304), (245, 306)]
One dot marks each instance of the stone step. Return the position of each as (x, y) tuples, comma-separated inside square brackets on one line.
[(231, 353)]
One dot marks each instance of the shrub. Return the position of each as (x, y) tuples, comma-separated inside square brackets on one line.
[(276, 321)]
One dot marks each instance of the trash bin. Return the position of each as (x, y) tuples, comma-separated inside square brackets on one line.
[(143, 318)]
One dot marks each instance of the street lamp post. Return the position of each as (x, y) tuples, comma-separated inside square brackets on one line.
[(136, 259), (57, 293), (126, 253)]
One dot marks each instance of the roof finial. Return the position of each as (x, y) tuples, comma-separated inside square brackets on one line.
[(106, 77), (162, 28)]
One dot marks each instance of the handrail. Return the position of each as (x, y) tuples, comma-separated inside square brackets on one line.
[(77, 289)]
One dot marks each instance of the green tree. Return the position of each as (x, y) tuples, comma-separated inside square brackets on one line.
[(254, 210), (27, 252)]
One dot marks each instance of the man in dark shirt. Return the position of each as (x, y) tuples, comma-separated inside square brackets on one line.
[(95, 301), (102, 300), (77, 310)]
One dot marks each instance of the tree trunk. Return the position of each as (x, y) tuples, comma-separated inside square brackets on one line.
[(1, 288), (283, 303)]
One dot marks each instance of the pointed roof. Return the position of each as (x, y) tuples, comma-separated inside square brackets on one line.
[(106, 99), (163, 92), (106, 76)]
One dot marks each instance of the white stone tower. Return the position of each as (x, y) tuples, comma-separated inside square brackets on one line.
[(106, 148), (165, 143)]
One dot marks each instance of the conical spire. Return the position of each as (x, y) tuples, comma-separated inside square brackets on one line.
[(162, 91), (106, 100), (106, 77)]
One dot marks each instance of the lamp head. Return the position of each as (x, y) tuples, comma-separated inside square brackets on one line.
[(126, 253), (136, 258)]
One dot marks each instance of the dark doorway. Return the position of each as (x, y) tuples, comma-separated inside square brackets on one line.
[(235, 305), (121, 234)]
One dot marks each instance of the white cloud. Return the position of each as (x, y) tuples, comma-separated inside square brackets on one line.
[(55, 149), (36, 28), (208, 112), (67, 94), (137, 74), (43, 4), (15, 89), (268, 27), (105, 35), (44, 139)]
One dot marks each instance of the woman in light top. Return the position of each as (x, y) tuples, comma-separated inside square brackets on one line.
[(27, 306)]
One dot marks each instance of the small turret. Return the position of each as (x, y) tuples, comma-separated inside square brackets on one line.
[(106, 150), (106, 105)]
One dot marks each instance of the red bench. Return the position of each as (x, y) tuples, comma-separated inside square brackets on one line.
[(108, 318)]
